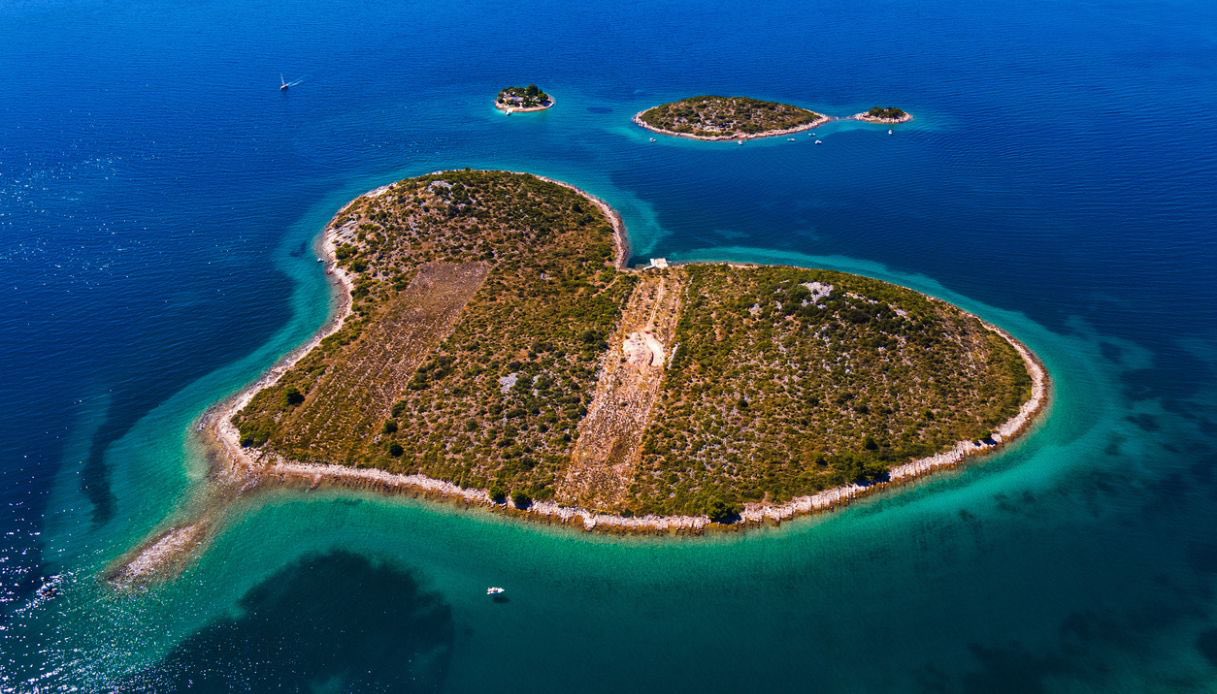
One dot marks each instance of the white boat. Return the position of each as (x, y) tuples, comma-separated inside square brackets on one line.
[(890, 131), (819, 142), (50, 587), (652, 139), (495, 590)]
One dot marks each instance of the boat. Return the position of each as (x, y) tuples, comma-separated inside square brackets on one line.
[(50, 587), (283, 84), (891, 132), (652, 139), (791, 139), (819, 142), (495, 590)]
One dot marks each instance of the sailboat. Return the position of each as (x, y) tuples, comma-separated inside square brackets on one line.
[(284, 85)]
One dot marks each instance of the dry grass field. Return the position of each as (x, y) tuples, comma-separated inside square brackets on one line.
[(353, 398)]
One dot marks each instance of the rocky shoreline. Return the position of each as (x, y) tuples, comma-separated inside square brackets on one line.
[(509, 109)]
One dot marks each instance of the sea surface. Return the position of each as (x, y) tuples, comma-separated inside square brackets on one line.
[(159, 201)]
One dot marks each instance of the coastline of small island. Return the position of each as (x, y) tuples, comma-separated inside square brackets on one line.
[(717, 118), (528, 99), (884, 115), (241, 469), (739, 118)]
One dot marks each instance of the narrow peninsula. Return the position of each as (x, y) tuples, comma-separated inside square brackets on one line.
[(492, 347), (523, 99), (728, 118)]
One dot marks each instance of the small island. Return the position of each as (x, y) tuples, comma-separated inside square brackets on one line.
[(886, 115), (492, 347), (728, 118), (523, 99)]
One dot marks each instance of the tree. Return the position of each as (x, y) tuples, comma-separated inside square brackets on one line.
[(293, 397), (498, 493), (723, 512)]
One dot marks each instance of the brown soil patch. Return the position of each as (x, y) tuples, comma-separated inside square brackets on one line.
[(608, 449)]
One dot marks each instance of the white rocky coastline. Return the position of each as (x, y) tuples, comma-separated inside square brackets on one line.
[(243, 469)]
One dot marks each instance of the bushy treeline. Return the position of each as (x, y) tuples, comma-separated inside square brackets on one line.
[(886, 112), (525, 97)]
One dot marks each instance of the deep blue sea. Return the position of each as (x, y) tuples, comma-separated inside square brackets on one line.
[(159, 198)]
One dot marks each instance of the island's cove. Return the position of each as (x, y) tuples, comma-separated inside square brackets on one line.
[(236, 475)]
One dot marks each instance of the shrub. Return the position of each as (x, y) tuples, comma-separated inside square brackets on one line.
[(885, 112), (723, 512)]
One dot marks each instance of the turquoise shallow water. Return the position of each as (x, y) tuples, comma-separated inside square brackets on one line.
[(158, 200)]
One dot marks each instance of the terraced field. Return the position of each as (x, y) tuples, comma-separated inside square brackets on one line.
[(354, 397)]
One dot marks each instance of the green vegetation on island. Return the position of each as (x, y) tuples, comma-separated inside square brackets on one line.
[(528, 98), (494, 344), (482, 303), (790, 381), (727, 117), (886, 114)]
